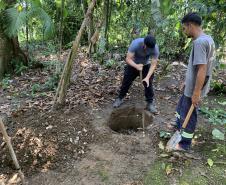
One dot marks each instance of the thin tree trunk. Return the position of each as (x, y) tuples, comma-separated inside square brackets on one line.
[(61, 26), (94, 38), (106, 14), (89, 27), (27, 29), (65, 77), (109, 23)]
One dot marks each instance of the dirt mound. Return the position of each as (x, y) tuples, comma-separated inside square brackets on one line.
[(46, 140)]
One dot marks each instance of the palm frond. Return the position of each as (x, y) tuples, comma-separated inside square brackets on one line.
[(15, 20), (38, 12)]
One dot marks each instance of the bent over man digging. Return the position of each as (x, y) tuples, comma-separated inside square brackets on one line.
[(140, 52), (197, 79)]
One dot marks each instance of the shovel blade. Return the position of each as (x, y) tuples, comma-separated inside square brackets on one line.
[(174, 140)]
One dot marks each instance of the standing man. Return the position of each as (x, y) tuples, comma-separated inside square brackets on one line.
[(198, 76), (138, 59)]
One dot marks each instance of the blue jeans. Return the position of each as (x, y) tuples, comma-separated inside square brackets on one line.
[(182, 109)]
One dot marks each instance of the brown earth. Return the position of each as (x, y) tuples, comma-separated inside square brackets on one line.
[(74, 145)]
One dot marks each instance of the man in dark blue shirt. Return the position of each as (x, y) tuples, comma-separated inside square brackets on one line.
[(140, 52)]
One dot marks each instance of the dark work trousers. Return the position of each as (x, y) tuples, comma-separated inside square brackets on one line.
[(130, 74), (182, 109)]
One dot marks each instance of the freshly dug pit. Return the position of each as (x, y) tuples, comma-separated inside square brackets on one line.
[(128, 120)]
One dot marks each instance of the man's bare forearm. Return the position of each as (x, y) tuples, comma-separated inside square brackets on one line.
[(130, 62), (152, 68), (200, 79)]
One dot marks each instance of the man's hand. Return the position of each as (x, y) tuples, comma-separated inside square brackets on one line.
[(139, 67), (146, 80), (196, 99)]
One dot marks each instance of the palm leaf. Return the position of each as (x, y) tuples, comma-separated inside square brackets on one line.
[(38, 12), (15, 20)]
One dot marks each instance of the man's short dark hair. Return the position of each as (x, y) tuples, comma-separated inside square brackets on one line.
[(150, 41), (192, 18)]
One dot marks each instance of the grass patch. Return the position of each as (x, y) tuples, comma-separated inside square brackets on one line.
[(103, 175), (156, 175)]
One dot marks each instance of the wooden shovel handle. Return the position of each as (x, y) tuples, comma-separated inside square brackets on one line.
[(141, 77), (188, 116)]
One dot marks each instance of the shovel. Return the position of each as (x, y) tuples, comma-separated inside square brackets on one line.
[(176, 138), (141, 78)]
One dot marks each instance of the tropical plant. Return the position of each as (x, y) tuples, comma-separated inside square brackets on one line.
[(17, 16)]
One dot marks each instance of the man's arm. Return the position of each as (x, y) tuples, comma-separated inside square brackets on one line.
[(130, 61), (152, 68), (200, 79), (200, 61), (151, 71)]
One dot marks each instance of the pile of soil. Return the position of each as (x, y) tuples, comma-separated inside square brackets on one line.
[(45, 140)]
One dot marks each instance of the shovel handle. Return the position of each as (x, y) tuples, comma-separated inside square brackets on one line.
[(188, 116), (141, 77)]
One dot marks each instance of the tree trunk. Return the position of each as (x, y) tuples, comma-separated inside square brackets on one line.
[(27, 29), (109, 22), (18, 52), (106, 21), (89, 27), (94, 39), (65, 77), (9, 47), (5, 53), (61, 26)]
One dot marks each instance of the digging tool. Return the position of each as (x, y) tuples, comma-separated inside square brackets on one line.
[(11, 151), (141, 78), (176, 138)]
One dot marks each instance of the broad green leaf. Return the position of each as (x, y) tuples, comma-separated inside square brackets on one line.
[(210, 162), (66, 13), (217, 134)]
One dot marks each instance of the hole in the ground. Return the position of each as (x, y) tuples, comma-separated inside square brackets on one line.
[(128, 120)]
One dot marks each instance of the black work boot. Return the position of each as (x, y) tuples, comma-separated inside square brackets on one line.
[(117, 103)]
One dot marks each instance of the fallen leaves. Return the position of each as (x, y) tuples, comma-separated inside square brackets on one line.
[(161, 145)]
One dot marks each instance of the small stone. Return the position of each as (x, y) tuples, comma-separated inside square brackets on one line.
[(49, 127)]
